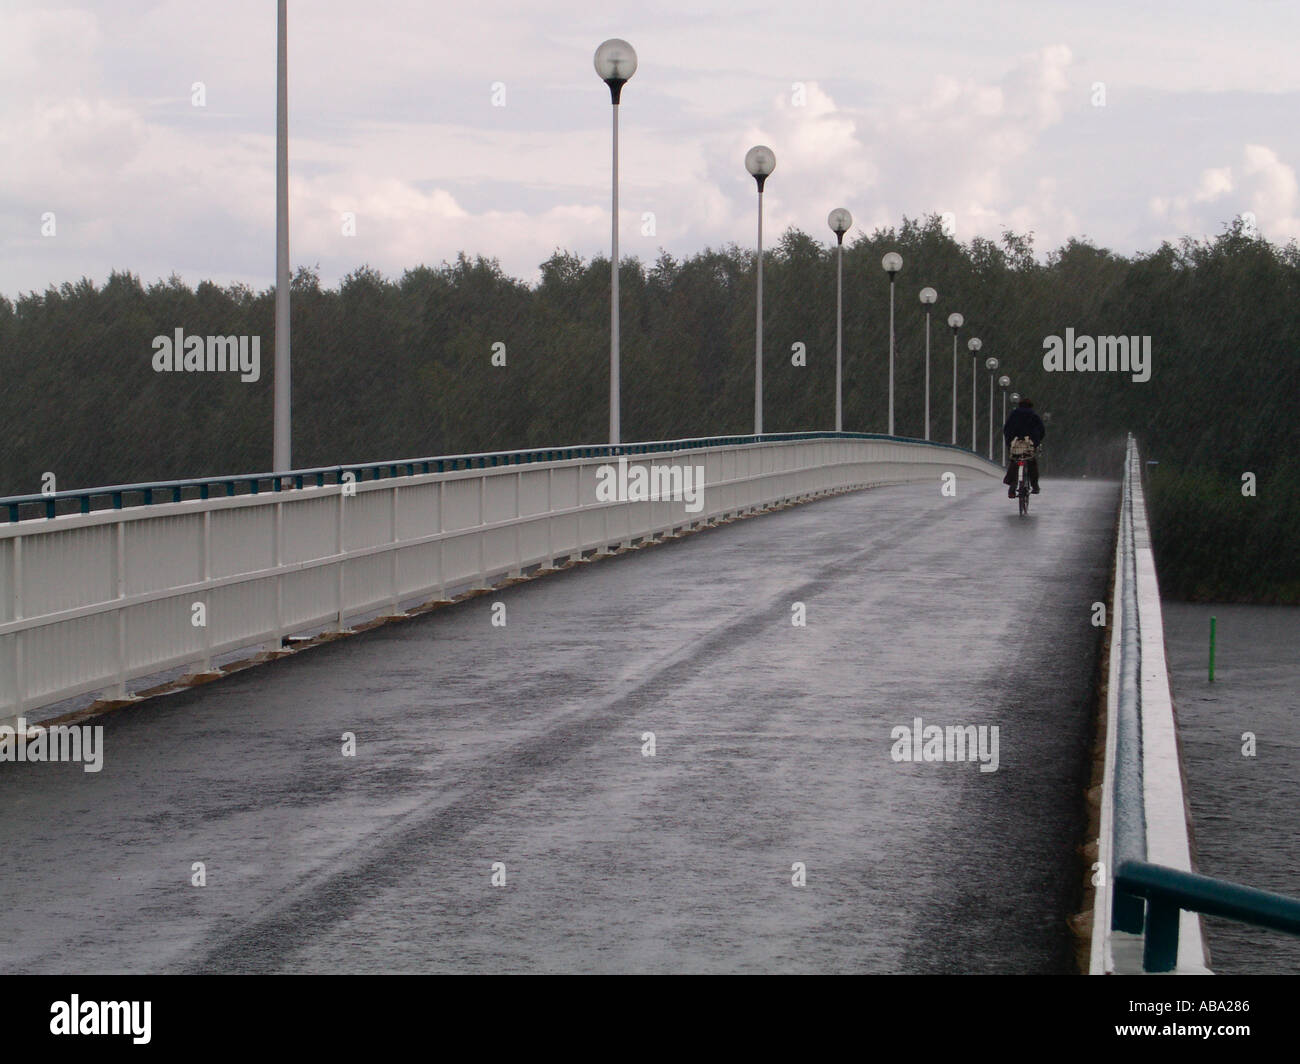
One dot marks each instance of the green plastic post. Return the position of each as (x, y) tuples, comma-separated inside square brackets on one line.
[(1211, 650)]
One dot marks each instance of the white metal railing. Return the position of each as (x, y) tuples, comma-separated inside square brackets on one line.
[(90, 602)]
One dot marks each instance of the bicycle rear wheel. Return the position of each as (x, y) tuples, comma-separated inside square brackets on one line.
[(1024, 501)]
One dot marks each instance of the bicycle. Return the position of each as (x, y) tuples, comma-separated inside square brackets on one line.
[(1022, 452)]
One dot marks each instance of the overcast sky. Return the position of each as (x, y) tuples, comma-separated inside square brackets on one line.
[(986, 110)]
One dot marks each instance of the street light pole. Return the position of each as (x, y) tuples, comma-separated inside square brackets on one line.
[(615, 62), (973, 345), (281, 434), (615, 352), (1004, 382), (1015, 401), (955, 322), (760, 161), (839, 220), (892, 262), (928, 296), (990, 364)]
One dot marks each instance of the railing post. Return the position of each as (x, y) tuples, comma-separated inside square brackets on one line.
[(119, 592), (1160, 950), (550, 518), (604, 527), (20, 672), (481, 580), (392, 551), (1127, 912), (207, 594), (518, 570), (279, 577), (442, 543), (339, 539)]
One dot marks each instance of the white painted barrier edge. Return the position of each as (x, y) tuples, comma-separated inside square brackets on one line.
[(1165, 807)]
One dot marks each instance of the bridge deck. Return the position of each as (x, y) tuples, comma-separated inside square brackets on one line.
[(523, 745)]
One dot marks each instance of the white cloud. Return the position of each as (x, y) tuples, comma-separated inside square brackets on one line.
[(390, 118), (1215, 183), (1266, 188), (48, 53), (1274, 194)]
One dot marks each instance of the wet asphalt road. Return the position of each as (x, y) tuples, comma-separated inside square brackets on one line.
[(523, 745)]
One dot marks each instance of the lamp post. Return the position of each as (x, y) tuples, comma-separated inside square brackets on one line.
[(839, 220), (1004, 382), (892, 263), (760, 161), (928, 296), (973, 345), (615, 62), (955, 322), (282, 386), (991, 364)]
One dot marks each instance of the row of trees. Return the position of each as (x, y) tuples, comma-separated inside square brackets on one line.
[(389, 368)]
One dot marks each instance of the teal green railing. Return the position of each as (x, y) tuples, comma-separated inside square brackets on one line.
[(1168, 892)]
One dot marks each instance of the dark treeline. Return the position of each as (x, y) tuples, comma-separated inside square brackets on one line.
[(400, 368)]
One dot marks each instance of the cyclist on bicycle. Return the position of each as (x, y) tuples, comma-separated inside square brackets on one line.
[(1023, 422)]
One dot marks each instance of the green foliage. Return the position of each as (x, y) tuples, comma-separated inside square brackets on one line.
[(388, 368), (1213, 544)]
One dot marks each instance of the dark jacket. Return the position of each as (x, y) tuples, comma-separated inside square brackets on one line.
[(1024, 422)]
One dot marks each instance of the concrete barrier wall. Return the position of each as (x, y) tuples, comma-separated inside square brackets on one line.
[(1143, 806), (91, 602)]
